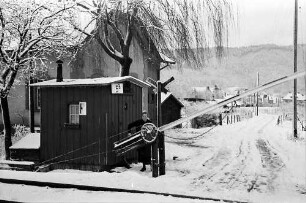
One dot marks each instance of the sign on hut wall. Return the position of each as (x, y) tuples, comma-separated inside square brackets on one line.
[(82, 108), (117, 88)]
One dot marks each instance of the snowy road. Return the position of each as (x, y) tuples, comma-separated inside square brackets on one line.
[(244, 160), (251, 157)]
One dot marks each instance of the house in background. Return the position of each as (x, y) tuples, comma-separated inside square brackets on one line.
[(233, 91), (217, 93), (92, 62), (171, 108), (202, 93), (288, 97), (301, 98)]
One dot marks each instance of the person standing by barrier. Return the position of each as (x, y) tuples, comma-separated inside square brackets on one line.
[(144, 153)]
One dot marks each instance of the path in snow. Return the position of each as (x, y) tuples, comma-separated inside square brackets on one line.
[(251, 156)]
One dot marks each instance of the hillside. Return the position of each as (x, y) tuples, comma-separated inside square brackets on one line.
[(239, 67)]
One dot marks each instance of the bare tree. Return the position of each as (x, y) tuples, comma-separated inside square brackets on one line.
[(185, 26), (29, 30)]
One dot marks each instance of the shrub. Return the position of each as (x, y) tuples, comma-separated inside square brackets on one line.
[(18, 132)]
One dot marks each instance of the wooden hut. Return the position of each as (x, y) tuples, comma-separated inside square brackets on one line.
[(82, 118), (171, 108)]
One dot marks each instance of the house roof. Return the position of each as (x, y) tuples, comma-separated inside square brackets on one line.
[(164, 97), (300, 97), (166, 59), (90, 82), (235, 89), (30, 141)]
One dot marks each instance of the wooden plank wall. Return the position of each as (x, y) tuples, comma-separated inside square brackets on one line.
[(56, 139), (171, 111)]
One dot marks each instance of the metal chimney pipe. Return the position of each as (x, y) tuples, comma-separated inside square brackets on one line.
[(59, 77)]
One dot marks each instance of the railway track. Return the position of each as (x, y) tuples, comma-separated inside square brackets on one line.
[(106, 189)]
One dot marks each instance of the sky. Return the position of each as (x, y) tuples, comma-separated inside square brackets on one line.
[(267, 22)]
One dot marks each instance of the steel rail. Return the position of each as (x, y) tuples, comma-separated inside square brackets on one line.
[(232, 99), (10, 180)]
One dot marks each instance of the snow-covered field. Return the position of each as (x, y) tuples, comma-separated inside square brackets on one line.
[(253, 160)]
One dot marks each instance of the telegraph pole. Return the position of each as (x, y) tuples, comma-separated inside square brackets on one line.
[(155, 157), (257, 95), (31, 105), (161, 135), (304, 124), (295, 70)]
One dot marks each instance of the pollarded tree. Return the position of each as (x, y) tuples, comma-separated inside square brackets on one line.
[(181, 25), (29, 30)]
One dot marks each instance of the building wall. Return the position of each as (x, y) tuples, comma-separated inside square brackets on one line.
[(108, 115), (171, 111)]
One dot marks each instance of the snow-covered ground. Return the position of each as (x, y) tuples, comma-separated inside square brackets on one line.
[(25, 193), (253, 160)]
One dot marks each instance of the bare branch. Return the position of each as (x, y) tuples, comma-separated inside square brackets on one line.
[(115, 55), (129, 35), (54, 14), (2, 52), (82, 31), (29, 47), (118, 34), (4, 74), (88, 9), (2, 26)]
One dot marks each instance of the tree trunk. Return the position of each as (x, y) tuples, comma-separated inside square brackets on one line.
[(7, 126), (125, 66)]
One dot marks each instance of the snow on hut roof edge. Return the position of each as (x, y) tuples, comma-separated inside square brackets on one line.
[(89, 82), (164, 97)]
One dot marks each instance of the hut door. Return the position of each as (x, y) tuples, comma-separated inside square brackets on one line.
[(123, 113)]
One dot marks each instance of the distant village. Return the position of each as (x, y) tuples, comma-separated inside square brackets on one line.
[(216, 94)]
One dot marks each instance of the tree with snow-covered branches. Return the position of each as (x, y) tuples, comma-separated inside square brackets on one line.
[(29, 30)]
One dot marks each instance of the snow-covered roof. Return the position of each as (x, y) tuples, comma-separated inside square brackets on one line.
[(30, 141), (300, 97), (164, 97), (166, 59), (235, 89), (288, 96), (90, 82)]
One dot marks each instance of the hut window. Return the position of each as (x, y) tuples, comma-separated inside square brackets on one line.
[(36, 96), (74, 114), (37, 103)]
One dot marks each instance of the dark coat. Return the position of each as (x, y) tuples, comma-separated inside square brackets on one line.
[(144, 153)]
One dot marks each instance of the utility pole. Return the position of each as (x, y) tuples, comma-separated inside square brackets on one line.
[(257, 95), (31, 105), (304, 124), (295, 70), (155, 161), (161, 135)]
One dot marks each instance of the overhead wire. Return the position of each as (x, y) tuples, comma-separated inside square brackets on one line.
[(200, 135), (70, 152), (66, 160)]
